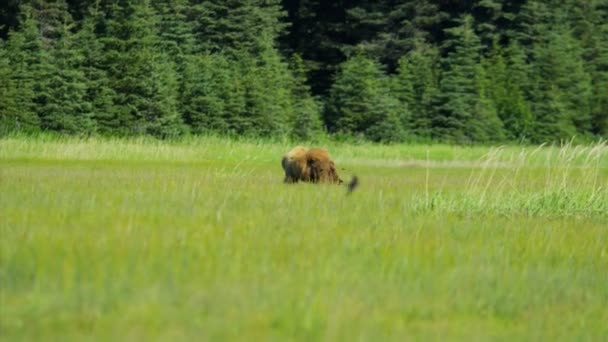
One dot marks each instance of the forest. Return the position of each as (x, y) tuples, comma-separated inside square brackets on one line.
[(462, 72)]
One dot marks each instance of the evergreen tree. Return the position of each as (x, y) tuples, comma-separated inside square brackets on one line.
[(9, 108), (63, 106), (268, 97), (23, 53), (318, 33), (388, 30), (590, 26), (142, 77), (306, 119), (177, 39), (387, 124), (464, 114), (416, 84), (503, 79), (359, 100), (237, 26), (242, 94), (176, 28), (99, 94), (212, 95), (560, 90), (486, 126), (495, 20)]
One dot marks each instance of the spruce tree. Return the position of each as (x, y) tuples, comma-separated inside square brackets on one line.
[(22, 54), (212, 94), (352, 96), (387, 124), (360, 102), (63, 106), (387, 30), (306, 120), (268, 97), (142, 77), (416, 84), (561, 90), (237, 26), (590, 27), (99, 94), (10, 119), (464, 114), (177, 39), (503, 79)]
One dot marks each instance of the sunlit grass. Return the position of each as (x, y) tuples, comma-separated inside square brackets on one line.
[(199, 239)]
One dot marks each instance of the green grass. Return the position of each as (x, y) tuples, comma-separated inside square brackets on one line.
[(199, 239)]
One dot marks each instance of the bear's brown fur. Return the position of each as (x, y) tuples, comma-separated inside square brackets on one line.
[(295, 165), (314, 165), (322, 168)]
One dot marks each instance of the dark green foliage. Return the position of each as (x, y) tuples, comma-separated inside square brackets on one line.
[(590, 26), (305, 120), (237, 26), (317, 32), (142, 77), (464, 113), (360, 102), (387, 115), (63, 106), (387, 30), (99, 95), (176, 28), (504, 77), (212, 94), (464, 72), (9, 107), (416, 85), (21, 63), (353, 96)]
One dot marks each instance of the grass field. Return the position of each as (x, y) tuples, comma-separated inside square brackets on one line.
[(200, 240)]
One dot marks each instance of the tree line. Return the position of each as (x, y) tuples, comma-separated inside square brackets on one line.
[(482, 71)]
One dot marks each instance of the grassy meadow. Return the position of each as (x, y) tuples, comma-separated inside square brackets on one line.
[(143, 240)]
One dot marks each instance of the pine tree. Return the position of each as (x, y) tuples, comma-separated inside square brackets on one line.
[(464, 114), (63, 106), (552, 120), (416, 84), (561, 89), (318, 33), (237, 26), (143, 78), (590, 26), (387, 30), (360, 100), (268, 98), (212, 94), (176, 28), (495, 20), (177, 39), (387, 125), (306, 120), (23, 53), (486, 126), (99, 94), (9, 107), (503, 79)]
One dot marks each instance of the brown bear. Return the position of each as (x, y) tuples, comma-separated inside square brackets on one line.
[(295, 165), (314, 165), (322, 168)]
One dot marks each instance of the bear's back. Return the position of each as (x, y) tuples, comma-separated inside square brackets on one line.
[(294, 164), (322, 168)]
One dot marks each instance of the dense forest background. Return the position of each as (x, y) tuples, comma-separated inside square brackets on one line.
[(453, 71)]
